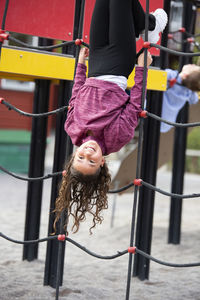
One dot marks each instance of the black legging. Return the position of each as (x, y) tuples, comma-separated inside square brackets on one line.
[(114, 27)]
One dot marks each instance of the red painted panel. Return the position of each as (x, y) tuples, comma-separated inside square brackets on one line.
[(154, 4), (10, 119), (52, 19), (45, 18)]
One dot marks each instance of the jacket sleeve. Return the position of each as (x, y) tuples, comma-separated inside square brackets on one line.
[(128, 119), (171, 74), (194, 97), (79, 80), (133, 106)]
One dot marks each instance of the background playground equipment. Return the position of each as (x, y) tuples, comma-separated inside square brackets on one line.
[(124, 174), (20, 64), (55, 252), (24, 64)]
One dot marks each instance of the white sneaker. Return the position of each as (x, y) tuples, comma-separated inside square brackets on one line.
[(161, 22)]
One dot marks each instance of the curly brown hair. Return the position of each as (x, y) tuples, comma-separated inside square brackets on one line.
[(80, 194)]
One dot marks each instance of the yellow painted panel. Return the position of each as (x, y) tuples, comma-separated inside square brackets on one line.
[(156, 80), (27, 65), (35, 64), (16, 76)]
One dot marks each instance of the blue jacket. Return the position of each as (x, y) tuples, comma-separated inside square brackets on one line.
[(174, 99)]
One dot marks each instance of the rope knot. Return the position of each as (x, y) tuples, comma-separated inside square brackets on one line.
[(172, 82), (78, 42), (137, 182), (3, 35)]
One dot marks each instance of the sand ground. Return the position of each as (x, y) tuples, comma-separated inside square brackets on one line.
[(88, 278)]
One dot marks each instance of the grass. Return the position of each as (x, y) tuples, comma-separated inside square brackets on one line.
[(193, 142)]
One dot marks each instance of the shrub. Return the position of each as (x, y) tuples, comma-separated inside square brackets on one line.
[(193, 139)]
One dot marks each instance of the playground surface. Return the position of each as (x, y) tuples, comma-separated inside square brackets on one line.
[(88, 278)]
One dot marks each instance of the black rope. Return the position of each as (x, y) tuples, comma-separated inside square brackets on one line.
[(4, 15), (87, 45), (154, 188), (196, 44), (179, 53), (63, 44), (61, 109), (29, 241), (148, 185), (11, 107), (124, 188), (172, 123), (185, 32), (173, 51), (29, 178), (107, 257), (166, 263), (120, 253), (179, 42), (57, 174), (140, 52)]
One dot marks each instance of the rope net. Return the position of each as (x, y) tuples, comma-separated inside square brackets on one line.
[(137, 182), (132, 250)]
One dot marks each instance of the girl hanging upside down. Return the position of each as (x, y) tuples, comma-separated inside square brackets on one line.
[(102, 117)]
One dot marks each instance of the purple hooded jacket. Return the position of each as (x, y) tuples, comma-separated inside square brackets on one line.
[(103, 108)]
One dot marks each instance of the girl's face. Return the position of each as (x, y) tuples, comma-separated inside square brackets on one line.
[(88, 158)]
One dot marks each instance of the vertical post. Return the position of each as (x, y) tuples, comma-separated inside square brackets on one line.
[(148, 173), (36, 167), (3, 22), (146, 196), (59, 159), (180, 137), (54, 265), (116, 185), (174, 234)]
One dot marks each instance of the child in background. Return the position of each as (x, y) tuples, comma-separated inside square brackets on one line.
[(185, 88), (102, 117)]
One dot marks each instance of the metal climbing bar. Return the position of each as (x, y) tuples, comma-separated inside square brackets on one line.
[(180, 139), (59, 252), (139, 153), (150, 148)]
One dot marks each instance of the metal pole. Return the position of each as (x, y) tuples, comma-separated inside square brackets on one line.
[(59, 159), (116, 185), (174, 234), (148, 173), (54, 264), (146, 196), (36, 167), (180, 137)]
